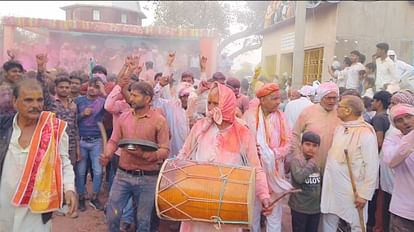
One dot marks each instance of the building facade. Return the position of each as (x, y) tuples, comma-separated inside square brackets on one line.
[(117, 12), (332, 30)]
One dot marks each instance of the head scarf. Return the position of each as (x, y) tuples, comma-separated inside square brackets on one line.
[(185, 90), (403, 97), (227, 105), (326, 88), (307, 90), (267, 89), (399, 110)]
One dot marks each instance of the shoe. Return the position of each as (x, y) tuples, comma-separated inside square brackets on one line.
[(96, 204), (82, 206), (73, 215)]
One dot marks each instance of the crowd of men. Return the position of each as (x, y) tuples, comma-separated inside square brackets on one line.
[(347, 143)]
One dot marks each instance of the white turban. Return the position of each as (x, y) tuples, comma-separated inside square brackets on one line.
[(307, 90), (326, 88)]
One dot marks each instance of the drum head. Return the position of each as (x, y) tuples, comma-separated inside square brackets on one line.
[(145, 145)]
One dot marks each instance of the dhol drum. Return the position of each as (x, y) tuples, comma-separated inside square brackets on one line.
[(206, 192)]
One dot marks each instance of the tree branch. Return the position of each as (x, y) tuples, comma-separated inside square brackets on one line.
[(234, 37), (245, 49)]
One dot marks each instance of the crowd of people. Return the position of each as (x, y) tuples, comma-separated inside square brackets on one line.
[(345, 143)]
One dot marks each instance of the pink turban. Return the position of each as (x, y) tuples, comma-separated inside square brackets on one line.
[(403, 97), (399, 110), (227, 105), (326, 88), (267, 89)]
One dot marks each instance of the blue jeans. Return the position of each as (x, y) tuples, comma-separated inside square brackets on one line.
[(128, 212), (141, 189), (91, 149)]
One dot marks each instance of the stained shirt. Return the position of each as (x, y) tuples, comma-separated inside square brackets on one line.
[(206, 142), (315, 118), (402, 162), (151, 127), (115, 104)]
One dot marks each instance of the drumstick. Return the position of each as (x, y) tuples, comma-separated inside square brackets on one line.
[(361, 217), (284, 194), (103, 134)]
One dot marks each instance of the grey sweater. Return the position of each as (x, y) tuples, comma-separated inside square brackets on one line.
[(306, 176)]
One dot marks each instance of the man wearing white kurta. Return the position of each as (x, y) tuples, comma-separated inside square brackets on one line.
[(273, 136), (337, 196), (294, 108), (21, 218)]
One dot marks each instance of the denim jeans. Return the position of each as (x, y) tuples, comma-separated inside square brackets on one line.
[(128, 212), (141, 189), (89, 149)]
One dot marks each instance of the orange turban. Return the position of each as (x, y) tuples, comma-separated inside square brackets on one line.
[(267, 89)]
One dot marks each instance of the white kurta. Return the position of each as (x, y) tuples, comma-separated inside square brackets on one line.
[(337, 194), (19, 219), (294, 108), (389, 148)]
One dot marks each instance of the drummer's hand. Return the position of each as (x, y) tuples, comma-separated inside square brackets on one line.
[(104, 160), (150, 156), (266, 207)]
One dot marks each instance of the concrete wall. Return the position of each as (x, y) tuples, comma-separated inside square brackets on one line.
[(107, 15), (320, 32), (369, 23)]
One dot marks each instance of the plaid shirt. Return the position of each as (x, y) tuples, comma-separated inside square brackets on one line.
[(69, 114)]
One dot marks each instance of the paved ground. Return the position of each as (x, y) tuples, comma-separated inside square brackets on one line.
[(93, 220)]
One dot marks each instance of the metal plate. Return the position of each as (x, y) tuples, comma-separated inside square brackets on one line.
[(131, 144)]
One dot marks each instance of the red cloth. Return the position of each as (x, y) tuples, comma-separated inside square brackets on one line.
[(227, 102), (267, 89)]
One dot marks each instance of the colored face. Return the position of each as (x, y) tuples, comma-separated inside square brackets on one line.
[(329, 101), (213, 99), (29, 103), (188, 79), (271, 102), (184, 101), (138, 100), (404, 123)]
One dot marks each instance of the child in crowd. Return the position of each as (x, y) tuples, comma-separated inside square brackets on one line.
[(305, 205)]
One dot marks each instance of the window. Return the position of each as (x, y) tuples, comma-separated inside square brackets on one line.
[(312, 70), (123, 18), (96, 15)]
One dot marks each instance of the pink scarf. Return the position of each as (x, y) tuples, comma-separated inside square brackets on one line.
[(227, 105)]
